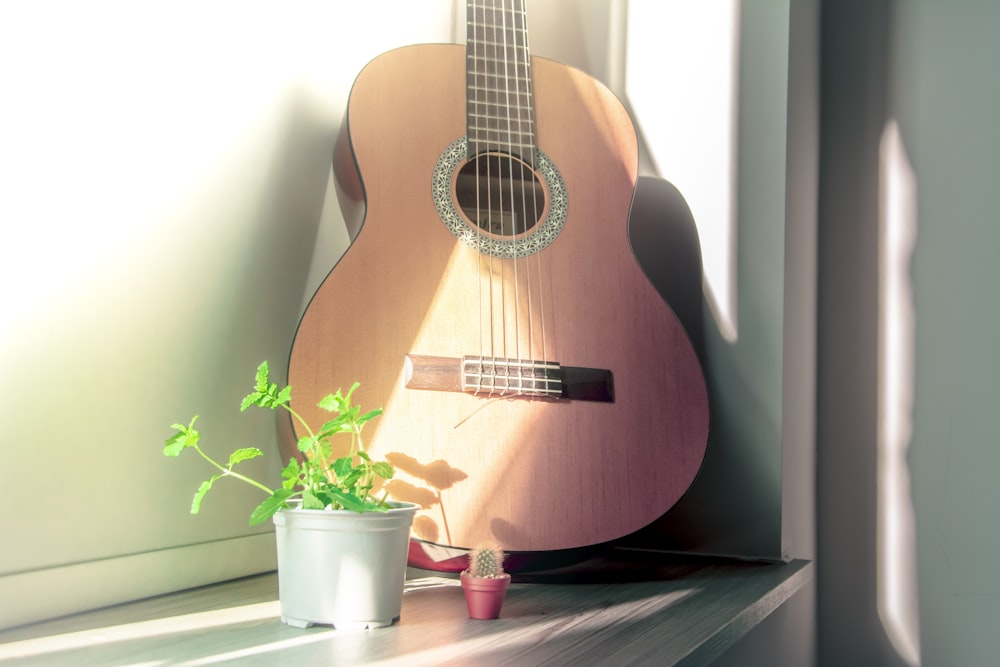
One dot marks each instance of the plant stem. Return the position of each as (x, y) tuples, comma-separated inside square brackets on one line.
[(229, 471), (356, 446), (250, 481), (324, 464)]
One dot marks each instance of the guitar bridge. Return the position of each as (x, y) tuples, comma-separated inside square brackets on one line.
[(505, 377), (508, 378)]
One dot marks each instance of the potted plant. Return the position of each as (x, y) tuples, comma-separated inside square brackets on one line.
[(342, 548), (484, 582)]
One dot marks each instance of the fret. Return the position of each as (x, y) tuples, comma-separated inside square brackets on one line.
[(499, 136), (523, 125), (497, 67), (520, 104), (502, 45), (498, 76), (499, 109), (501, 69), (490, 15), (492, 135), (516, 80), (501, 127), (522, 149), (478, 88), (499, 40)]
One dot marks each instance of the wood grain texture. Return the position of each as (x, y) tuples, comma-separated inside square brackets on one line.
[(534, 475), (682, 613)]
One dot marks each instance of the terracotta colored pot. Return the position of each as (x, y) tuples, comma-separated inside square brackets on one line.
[(484, 595)]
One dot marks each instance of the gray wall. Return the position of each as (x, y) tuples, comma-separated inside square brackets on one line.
[(931, 67)]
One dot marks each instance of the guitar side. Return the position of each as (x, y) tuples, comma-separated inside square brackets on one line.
[(532, 474)]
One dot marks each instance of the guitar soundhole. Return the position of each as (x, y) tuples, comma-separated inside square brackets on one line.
[(500, 194), (541, 226)]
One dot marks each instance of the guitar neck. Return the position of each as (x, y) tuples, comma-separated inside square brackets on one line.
[(499, 113)]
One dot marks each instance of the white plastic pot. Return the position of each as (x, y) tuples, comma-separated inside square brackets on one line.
[(342, 568)]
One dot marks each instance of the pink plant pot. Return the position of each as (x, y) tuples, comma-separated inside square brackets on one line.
[(484, 595)]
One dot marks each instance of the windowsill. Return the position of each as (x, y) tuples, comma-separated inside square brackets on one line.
[(685, 611)]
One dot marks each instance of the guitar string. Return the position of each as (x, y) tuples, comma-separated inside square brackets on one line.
[(499, 64), (472, 141), (515, 298), (490, 70), (498, 295), (532, 215), (525, 107), (472, 151), (520, 53), (478, 67), (510, 337)]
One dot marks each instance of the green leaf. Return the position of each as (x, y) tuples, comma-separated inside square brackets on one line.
[(334, 402), (291, 474), (383, 469), (251, 399), (364, 456), (244, 454), (351, 478), (266, 509), (343, 466), (266, 394), (339, 424), (347, 399), (263, 373), (311, 502), (199, 495), (324, 497), (307, 442), (175, 445), (186, 437), (368, 416), (324, 449), (348, 501)]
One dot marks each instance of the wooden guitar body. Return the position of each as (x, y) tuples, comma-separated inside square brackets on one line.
[(531, 473)]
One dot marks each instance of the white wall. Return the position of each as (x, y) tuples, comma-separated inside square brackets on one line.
[(164, 170)]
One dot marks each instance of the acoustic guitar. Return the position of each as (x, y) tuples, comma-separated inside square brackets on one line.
[(537, 390)]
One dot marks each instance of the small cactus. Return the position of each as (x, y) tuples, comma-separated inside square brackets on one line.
[(486, 561)]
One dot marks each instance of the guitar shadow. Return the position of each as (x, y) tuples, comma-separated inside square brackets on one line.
[(665, 242), (731, 490)]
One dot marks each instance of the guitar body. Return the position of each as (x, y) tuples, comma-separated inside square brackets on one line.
[(533, 474)]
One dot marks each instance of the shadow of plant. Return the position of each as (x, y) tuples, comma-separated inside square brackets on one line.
[(436, 477)]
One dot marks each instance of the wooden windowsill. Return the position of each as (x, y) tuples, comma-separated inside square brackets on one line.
[(678, 611)]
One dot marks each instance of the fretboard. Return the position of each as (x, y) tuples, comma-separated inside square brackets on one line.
[(499, 113)]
